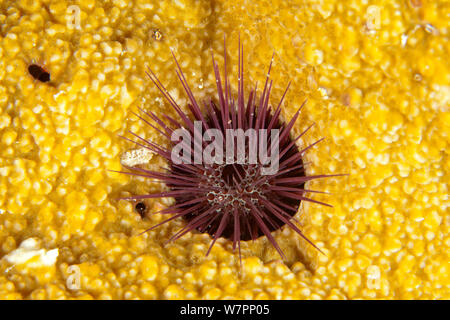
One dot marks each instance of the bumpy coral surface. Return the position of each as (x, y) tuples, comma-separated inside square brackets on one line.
[(377, 79)]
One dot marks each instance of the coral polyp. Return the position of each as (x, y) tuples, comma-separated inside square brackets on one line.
[(234, 196)]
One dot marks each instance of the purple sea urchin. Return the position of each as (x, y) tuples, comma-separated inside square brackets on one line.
[(233, 199)]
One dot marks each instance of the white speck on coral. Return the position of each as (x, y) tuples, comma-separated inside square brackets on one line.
[(30, 254)]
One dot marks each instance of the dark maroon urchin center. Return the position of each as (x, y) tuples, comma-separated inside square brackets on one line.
[(250, 188), (230, 199)]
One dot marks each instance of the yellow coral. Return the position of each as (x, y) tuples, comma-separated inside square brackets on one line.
[(378, 88)]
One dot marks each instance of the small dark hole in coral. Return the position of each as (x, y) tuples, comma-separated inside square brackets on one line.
[(141, 208)]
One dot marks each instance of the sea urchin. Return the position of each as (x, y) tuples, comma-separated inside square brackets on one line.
[(231, 195)]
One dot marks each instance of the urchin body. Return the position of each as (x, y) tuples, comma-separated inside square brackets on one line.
[(231, 199)]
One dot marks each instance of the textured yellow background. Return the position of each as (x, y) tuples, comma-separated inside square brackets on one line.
[(377, 79)]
